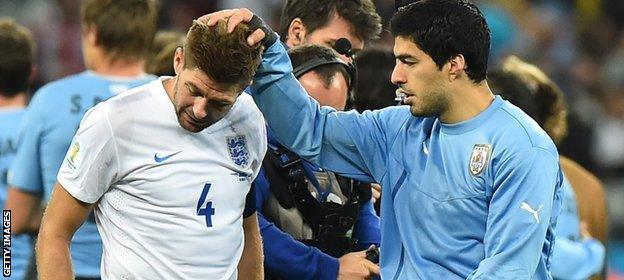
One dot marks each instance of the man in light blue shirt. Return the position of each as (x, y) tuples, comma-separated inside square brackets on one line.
[(16, 66), (116, 38), (471, 183)]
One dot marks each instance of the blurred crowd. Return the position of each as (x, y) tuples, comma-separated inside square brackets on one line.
[(579, 43)]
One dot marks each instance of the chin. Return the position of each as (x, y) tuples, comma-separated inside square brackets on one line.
[(190, 127)]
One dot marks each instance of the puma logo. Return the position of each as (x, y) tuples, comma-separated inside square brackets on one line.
[(528, 208)]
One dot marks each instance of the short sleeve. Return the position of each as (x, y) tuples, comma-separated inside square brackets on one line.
[(25, 172), (91, 164)]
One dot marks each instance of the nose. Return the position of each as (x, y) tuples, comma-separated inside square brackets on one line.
[(398, 75), (199, 108)]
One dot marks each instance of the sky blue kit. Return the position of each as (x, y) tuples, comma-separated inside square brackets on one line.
[(573, 256), (472, 200), (21, 246), (53, 117)]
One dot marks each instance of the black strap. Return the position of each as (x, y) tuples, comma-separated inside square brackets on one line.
[(329, 221)]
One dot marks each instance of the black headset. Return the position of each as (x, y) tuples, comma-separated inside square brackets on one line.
[(342, 46)]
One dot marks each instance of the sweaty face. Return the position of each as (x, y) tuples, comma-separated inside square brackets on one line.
[(199, 102), (419, 78), (335, 95), (335, 29)]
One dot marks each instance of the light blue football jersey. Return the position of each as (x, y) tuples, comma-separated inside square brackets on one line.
[(477, 199), (52, 118), (21, 245)]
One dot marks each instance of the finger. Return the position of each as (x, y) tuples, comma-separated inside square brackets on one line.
[(212, 18), (241, 15), (255, 37), (360, 254), (377, 187), (373, 268)]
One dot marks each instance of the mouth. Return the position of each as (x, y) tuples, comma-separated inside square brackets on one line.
[(195, 122)]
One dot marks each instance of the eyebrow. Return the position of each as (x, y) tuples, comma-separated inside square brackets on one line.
[(403, 57), (192, 87)]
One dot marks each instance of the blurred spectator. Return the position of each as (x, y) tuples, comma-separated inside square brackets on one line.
[(16, 67), (160, 60), (576, 254), (373, 89)]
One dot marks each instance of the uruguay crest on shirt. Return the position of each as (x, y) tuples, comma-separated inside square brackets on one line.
[(479, 158), (237, 146)]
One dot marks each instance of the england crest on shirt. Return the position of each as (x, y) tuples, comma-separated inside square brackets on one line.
[(237, 147), (479, 158)]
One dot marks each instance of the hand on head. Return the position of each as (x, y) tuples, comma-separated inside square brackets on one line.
[(236, 16)]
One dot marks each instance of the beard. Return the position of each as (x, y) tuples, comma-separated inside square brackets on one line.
[(430, 104)]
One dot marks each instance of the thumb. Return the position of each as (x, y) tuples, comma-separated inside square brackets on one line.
[(371, 267)]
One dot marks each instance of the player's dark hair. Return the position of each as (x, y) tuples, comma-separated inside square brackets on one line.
[(446, 28), (225, 57)]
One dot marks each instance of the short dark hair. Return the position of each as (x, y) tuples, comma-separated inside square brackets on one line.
[(160, 61), (374, 89), (305, 53), (225, 57), (314, 14), (446, 28), (16, 59), (125, 28), (527, 87)]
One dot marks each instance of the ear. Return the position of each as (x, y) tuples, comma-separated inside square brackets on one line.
[(296, 33), (34, 72), (90, 34), (178, 60), (457, 67)]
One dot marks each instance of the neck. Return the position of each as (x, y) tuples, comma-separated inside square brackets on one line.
[(119, 67), (18, 100), (104, 64), (467, 101)]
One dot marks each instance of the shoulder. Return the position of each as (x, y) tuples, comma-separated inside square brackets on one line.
[(246, 111), (518, 132), (49, 93)]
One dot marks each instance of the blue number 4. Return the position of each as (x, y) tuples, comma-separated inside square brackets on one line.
[(207, 211)]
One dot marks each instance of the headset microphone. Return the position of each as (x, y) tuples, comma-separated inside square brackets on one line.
[(343, 46)]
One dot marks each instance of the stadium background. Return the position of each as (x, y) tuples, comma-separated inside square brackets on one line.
[(579, 43)]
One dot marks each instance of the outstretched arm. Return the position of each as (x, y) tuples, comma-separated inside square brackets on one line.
[(62, 218)]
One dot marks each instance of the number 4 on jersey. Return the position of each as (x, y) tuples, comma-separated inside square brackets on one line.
[(207, 211)]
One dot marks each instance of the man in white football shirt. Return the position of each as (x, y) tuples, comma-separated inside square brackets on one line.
[(167, 167)]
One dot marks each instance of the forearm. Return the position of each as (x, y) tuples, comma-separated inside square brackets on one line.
[(291, 259), (53, 257), (577, 259), (35, 221), (251, 262), (25, 211)]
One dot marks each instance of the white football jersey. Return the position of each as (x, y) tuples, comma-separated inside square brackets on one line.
[(169, 202)]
